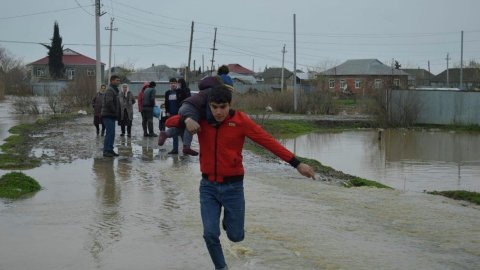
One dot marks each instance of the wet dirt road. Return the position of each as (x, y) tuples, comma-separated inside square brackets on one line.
[(141, 211)]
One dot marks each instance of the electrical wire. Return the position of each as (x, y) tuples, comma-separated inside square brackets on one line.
[(42, 12)]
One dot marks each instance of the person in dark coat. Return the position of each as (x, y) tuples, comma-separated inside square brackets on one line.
[(110, 112), (97, 109), (147, 108), (173, 100)]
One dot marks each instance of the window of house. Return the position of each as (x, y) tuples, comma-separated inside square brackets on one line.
[(331, 83), (343, 84), (358, 84), (378, 83), (90, 72), (40, 72), (396, 82), (70, 73)]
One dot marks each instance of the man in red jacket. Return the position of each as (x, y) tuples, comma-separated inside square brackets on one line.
[(221, 137)]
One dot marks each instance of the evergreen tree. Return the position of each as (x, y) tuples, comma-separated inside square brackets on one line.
[(397, 65), (55, 55)]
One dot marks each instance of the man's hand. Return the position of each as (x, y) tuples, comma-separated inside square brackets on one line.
[(306, 170), (168, 114), (192, 125)]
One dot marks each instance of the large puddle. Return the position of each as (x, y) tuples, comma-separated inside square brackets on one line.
[(403, 159), (141, 211)]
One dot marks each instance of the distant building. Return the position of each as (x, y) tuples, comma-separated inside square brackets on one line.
[(471, 78), (418, 77), (76, 66), (158, 74), (238, 69), (362, 77)]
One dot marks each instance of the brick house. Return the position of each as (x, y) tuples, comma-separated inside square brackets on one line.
[(76, 66), (362, 77)]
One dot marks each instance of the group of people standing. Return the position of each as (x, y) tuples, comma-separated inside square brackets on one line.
[(113, 104)]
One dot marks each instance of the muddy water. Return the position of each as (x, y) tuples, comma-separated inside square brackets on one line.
[(405, 160), (141, 211)]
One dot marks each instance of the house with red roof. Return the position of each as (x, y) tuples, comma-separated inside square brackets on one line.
[(76, 66), (237, 68)]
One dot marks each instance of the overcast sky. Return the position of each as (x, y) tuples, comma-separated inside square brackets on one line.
[(250, 32)]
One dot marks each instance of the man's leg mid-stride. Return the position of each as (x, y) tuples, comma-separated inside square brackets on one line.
[(212, 197)]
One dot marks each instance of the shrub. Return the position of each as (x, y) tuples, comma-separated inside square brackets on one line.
[(314, 102)]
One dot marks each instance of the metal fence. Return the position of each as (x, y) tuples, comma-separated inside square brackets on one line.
[(443, 107)]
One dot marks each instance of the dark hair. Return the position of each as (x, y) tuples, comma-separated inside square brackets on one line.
[(172, 80), (152, 84), (114, 77), (221, 94), (182, 82), (223, 70)]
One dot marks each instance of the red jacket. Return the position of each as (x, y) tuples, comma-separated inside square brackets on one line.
[(140, 98), (221, 146)]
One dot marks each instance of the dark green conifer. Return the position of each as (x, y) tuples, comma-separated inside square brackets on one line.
[(55, 55)]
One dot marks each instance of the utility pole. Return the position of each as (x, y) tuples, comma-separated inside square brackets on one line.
[(429, 72), (294, 63), (283, 68), (98, 69), (461, 63), (111, 29), (448, 77), (253, 64), (194, 66), (203, 64), (213, 50), (189, 55)]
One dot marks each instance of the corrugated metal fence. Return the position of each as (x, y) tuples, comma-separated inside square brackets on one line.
[(440, 106)]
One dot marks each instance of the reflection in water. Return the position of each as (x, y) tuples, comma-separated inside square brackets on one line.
[(147, 152), (125, 147), (403, 159), (106, 229)]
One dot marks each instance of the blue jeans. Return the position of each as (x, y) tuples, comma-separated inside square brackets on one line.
[(175, 132), (175, 143), (109, 134), (214, 196)]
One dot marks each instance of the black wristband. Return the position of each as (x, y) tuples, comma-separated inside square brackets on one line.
[(294, 162)]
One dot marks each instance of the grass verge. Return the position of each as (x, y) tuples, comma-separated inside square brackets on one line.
[(463, 195), (16, 184), (17, 147)]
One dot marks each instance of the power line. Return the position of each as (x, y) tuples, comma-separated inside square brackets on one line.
[(43, 12), (80, 6)]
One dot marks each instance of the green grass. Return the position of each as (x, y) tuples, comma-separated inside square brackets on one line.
[(350, 180), (16, 184), (17, 147), (463, 195), (289, 128), (17, 162)]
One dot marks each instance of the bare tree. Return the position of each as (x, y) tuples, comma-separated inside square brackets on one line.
[(14, 75)]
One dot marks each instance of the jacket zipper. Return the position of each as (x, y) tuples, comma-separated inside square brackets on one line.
[(215, 156)]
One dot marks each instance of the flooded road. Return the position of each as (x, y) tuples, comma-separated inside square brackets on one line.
[(403, 159), (141, 211)]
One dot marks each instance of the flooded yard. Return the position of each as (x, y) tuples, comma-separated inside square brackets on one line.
[(141, 211), (403, 159)]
